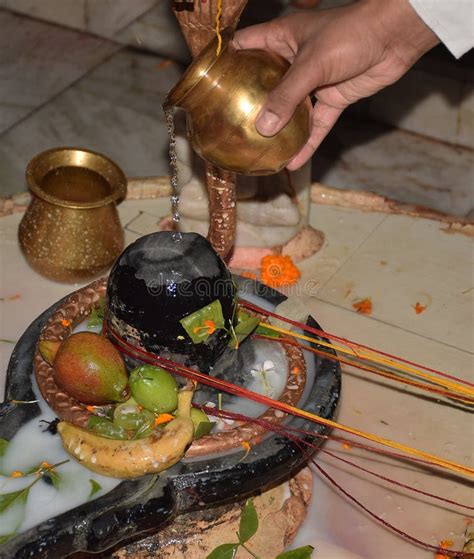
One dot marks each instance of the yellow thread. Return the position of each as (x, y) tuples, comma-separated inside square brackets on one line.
[(391, 376), (455, 387), (218, 27), (448, 464)]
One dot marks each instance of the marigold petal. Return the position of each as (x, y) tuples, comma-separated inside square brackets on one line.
[(163, 418), (363, 306), (419, 308)]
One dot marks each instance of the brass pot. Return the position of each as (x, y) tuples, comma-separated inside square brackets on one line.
[(223, 95), (71, 230)]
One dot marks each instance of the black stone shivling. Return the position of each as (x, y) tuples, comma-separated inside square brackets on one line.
[(160, 279)]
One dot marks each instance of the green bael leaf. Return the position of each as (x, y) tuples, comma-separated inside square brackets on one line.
[(246, 324), (248, 521), (195, 323), (97, 314), (95, 487), (3, 446), (8, 499), (267, 332), (299, 553), (225, 551)]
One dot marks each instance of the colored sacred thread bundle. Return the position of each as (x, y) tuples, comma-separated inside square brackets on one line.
[(231, 388), (388, 366)]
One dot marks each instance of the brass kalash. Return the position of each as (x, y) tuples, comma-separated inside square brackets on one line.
[(223, 95), (71, 230)]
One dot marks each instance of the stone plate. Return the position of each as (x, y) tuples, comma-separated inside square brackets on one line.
[(143, 505)]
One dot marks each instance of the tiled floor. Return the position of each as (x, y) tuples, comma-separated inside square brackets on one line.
[(64, 86), (39, 60), (365, 155)]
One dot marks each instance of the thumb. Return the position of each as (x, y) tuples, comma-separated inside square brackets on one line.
[(300, 79)]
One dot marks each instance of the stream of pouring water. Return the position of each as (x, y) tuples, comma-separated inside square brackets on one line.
[(169, 116)]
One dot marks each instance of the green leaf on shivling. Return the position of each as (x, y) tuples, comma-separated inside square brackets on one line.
[(299, 553), (248, 521), (5, 538), (3, 446), (95, 487), (204, 322), (224, 551)]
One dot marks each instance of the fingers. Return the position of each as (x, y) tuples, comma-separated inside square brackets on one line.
[(324, 118), (277, 36), (254, 37), (301, 78)]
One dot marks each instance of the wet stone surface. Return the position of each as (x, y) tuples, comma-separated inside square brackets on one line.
[(160, 279)]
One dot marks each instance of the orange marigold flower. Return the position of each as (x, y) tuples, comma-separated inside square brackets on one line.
[(163, 418), (90, 409), (16, 473), (419, 308), (295, 371), (278, 270), (65, 322), (363, 306)]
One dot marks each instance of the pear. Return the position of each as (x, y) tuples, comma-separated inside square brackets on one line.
[(89, 368)]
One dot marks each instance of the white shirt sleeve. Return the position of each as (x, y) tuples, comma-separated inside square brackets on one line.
[(451, 20)]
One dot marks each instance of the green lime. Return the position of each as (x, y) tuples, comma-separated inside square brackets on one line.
[(154, 388), (105, 428), (131, 416)]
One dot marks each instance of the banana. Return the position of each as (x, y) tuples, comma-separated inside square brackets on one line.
[(132, 458)]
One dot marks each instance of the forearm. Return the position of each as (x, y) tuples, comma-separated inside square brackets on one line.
[(402, 30)]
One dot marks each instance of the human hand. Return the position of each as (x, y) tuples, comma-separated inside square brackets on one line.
[(341, 55)]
